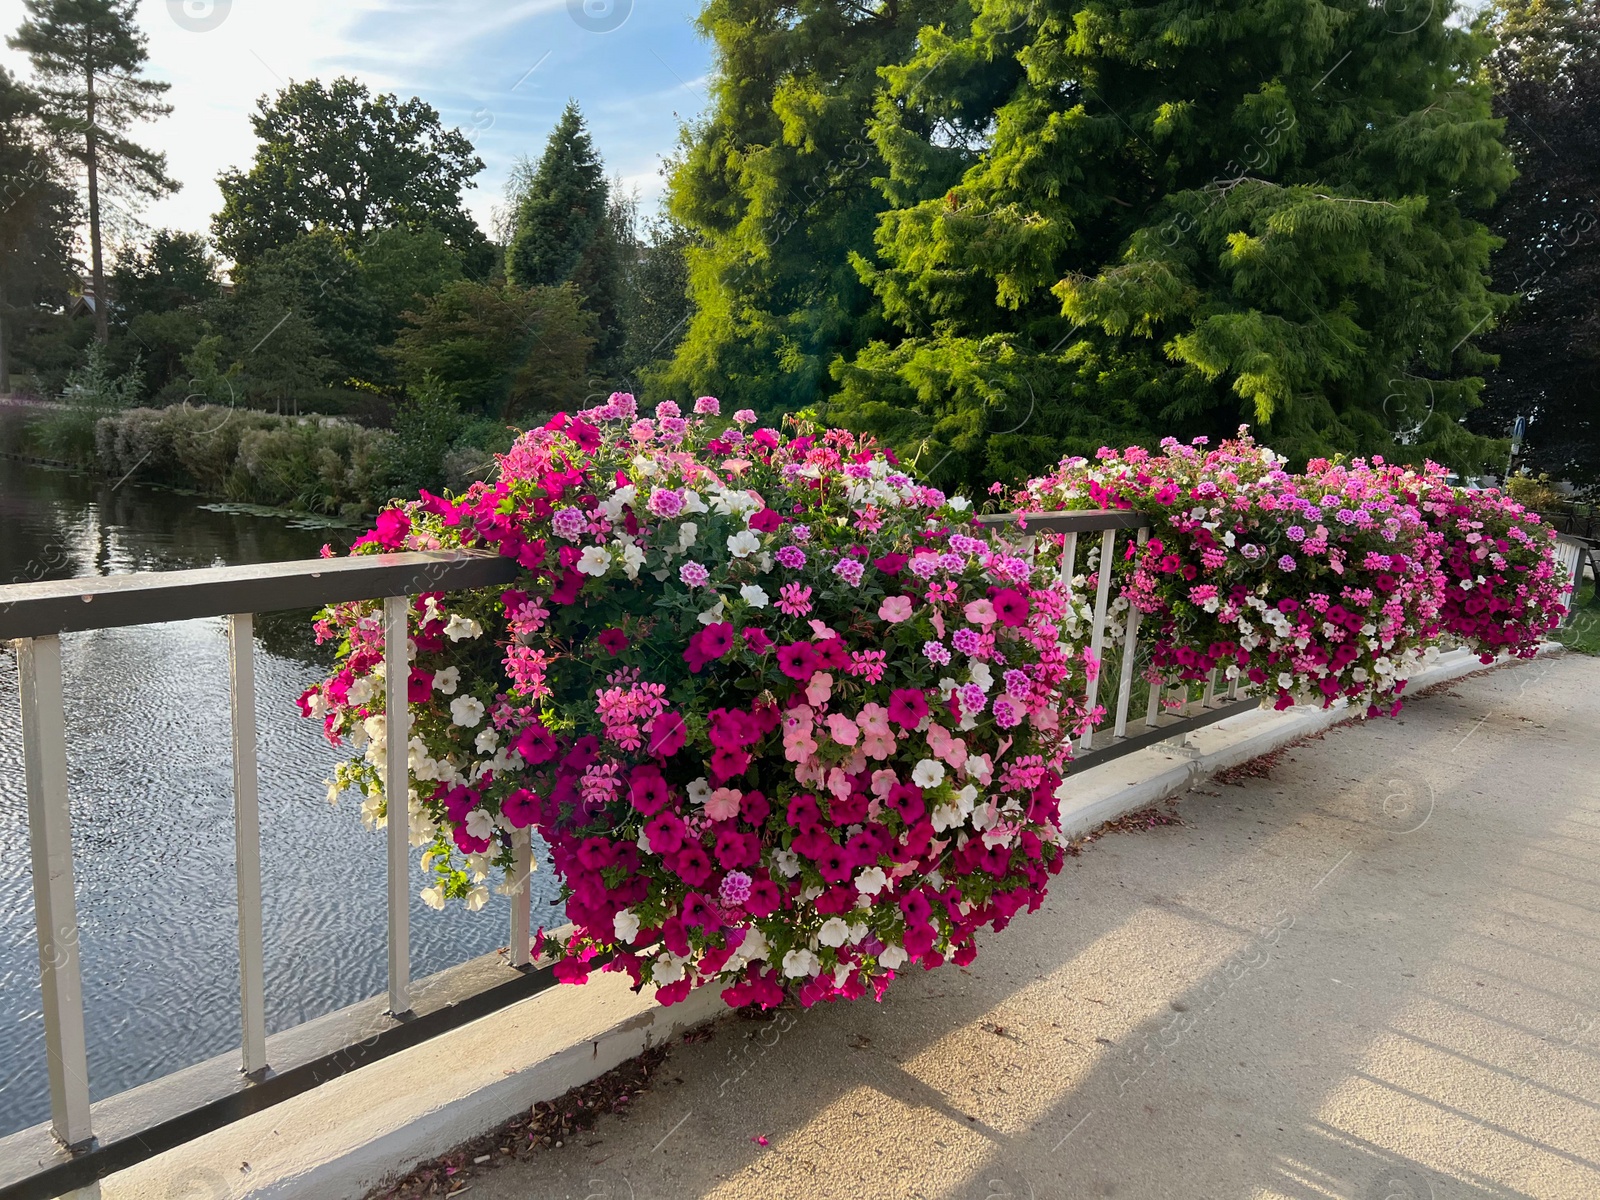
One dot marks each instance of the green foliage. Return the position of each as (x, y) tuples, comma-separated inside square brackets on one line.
[(568, 229), (426, 422), (401, 267), (503, 351), (334, 156), (174, 270), (777, 187), (37, 214), (1547, 77), (1145, 217), (655, 309), (93, 391)]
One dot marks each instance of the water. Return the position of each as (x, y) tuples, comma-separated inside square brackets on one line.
[(148, 754)]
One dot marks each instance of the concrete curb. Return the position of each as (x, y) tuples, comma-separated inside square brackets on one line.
[(361, 1130)]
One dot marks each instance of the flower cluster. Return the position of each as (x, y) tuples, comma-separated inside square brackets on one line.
[(1331, 582), (1502, 581), (785, 718)]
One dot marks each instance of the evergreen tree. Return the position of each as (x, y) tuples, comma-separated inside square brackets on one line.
[(568, 229), (1113, 220), (37, 213), (89, 55), (776, 188), (656, 308), (1546, 71)]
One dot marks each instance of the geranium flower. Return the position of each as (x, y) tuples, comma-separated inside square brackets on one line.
[(791, 556), (694, 574), (794, 600)]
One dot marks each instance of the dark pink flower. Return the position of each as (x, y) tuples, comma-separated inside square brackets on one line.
[(393, 525), (613, 641), (907, 707), (666, 735), (1011, 606), (765, 521), (521, 808), (648, 791), (797, 660), (756, 639)]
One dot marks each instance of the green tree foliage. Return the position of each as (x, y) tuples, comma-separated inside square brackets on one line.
[(425, 425), (158, 294), (656, 308), (37, 215), (1546, 71), (568, 229), (776, 185), (501, 351), (89, 56), (1113, 220), (334, 156)]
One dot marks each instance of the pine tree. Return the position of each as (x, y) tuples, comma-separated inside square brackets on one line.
[(89, 55), (1546, 71), (1115, 220), (567, 230), (776, 188)]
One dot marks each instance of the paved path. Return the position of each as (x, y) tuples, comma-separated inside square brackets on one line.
[(1374, 975)]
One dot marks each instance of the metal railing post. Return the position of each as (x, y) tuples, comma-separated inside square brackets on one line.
[(522, 898), (1097, 642), (397, 797), (44, 754), (1130, 651), (247, 842)]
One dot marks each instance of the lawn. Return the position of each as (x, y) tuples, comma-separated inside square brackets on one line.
[(1582, 633)]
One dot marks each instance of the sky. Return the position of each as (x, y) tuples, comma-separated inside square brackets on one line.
[(500, 70)]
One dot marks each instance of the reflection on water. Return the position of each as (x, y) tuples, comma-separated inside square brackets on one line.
[(150, 775)]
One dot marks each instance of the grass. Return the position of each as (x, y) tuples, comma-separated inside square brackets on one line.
[(1582, 632)]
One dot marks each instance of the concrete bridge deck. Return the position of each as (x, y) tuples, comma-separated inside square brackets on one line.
[(1372, 974)]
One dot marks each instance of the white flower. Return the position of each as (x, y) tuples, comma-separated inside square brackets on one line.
[(687, 532), (632, 559), (799, 963), (755, 945), (645, 466), (787, 862), (892, 958), (1359, 675), (754, 596), (692, 503), (613, 505), (360, 692), (477, 898), (841, 972), (461, 628), (699, 791), (871, 881), (713, 614), (743, 544), (668, 969), (928, 773), (486, 741), (479, 824), (982, 675), (1285, 680), (959, 503), (447, 680), (834, 932), (433, 897), (625, 925), (594, 561), (466, 711), (377, 727), (946, 816)]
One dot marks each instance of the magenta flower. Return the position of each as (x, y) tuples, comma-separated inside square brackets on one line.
[(850, 570), (792, 557), (1286, 563), (936, 652), (613, 641), (708, 406), (907, 707), (794, 600)]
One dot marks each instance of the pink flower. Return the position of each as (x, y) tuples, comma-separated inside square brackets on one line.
[(794, 600), (708, 406), (666, 735), (723, 804), (907, 707), (980, 612), (613, 641), (895, 609), (842, 729)]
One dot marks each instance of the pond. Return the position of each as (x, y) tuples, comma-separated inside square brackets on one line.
[(149, 765)]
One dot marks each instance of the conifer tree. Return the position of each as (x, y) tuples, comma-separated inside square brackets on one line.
[(567, 231), (1113, 220), (89, 56)]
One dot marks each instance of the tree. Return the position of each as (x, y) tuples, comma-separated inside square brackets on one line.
[(174, 270), (569, 229), (1128, 218), (1546, 71), (339, 158), (776, 187), (37, 213), (500, 351), (89, 55), (656, 305)]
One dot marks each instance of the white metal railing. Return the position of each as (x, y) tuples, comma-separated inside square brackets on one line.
[(33, 617), (1570, 553)]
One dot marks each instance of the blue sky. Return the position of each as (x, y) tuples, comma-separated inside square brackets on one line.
[(499, 69)]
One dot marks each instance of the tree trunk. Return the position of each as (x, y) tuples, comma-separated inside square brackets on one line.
[(102, 329)]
